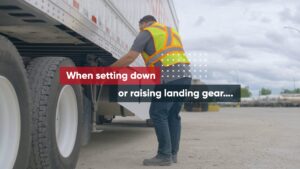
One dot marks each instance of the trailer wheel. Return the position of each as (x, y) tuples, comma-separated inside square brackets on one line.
[(15, 109), (57, 115), (87, 122)]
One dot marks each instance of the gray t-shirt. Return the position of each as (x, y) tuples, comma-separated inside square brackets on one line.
[(145, 42)]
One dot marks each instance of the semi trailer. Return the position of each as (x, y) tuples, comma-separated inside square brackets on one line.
[(43, 123)]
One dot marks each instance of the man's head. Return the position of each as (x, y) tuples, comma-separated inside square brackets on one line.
[(144, 22)]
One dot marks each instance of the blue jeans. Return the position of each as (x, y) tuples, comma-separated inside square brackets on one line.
[(167, 122)]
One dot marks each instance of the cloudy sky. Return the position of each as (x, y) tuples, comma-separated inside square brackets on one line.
[(255, 43)]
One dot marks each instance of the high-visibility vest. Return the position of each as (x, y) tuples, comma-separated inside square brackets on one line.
[(168, 46)]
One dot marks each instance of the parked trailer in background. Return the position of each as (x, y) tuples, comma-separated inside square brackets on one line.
[(42, 121), (282, 100)]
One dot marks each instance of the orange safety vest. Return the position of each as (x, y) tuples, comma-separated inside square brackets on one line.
[(168, 46)]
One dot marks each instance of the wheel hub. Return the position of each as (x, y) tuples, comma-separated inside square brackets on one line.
[(66, 122), (10, 124)]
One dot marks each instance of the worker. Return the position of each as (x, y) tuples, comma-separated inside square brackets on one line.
[(161, 46)]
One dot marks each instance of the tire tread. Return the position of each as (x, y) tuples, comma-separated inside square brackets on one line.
[(41, 72)]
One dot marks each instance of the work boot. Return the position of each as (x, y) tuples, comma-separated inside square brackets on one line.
[(157, 161), (174, 158)]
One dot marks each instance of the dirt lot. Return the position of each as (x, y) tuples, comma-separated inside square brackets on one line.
[(234, 138)]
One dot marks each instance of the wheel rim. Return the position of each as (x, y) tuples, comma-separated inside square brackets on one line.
[(10, 124), (66, 121)]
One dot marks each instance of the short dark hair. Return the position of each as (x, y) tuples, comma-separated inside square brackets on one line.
[(148, 18)]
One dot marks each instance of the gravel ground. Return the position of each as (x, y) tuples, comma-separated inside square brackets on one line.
[(234, 138)]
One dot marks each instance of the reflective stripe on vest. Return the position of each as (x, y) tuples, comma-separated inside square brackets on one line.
[(157, 56), (169, 36)]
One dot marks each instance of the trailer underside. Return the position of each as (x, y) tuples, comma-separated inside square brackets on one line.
[(40, 37)]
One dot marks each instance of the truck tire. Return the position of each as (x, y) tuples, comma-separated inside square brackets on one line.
[(15, 109), (101, 119), (57, 115), (87, 121)]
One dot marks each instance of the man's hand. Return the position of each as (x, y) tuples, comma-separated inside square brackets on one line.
[(126, 60)]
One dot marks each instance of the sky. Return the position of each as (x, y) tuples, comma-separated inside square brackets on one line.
[(255, 43)]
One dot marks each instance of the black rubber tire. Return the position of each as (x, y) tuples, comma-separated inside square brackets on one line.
[(12, 68), (87, 122), (103, 120), (45, 88)]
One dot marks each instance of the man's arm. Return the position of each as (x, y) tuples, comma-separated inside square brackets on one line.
[(127, 59), (137, 47)]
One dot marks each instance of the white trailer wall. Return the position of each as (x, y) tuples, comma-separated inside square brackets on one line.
[(118, 19)]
